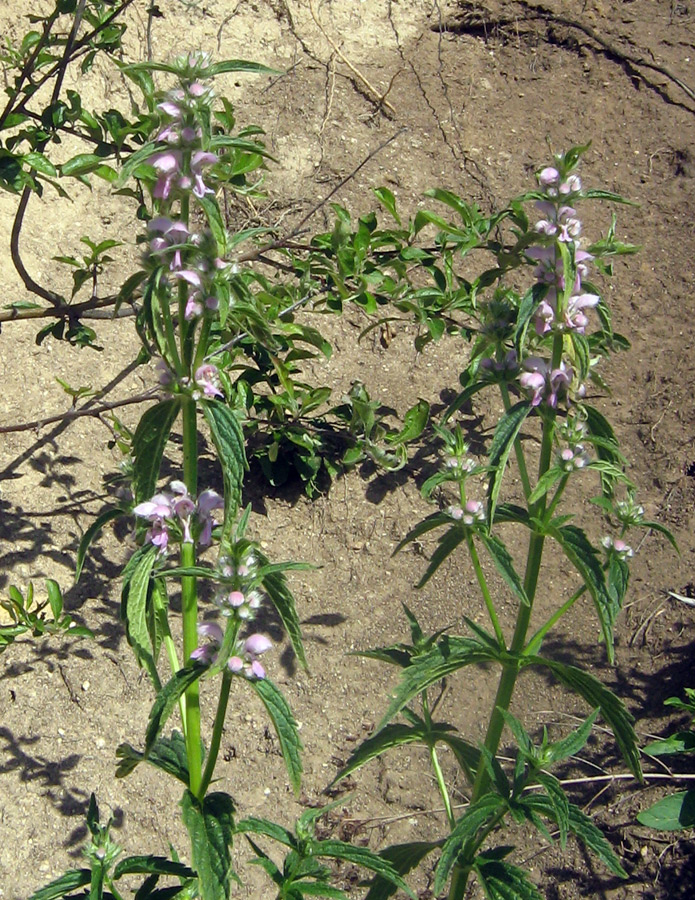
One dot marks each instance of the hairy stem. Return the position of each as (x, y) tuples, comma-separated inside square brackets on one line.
[(216, 733)]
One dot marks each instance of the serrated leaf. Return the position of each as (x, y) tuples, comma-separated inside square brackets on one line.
[(505, 566), (583, 556), (270, 829), (673, 813), (394, 735), (166, 700), (545, 482), (285, 727), (560, 804), (168, 754), (64, 885), (447, 656), (475, 817), (228, 439), (582, 826), (506, 433), (404, 858), (149, 864), (214, 216), (448, 542), (104, 518), (501, 880), (598, 695), (573, 743), (238, 65), (211, 829), (149, 441), (135, 598), (435, 520), (360, 856), (81, 164), (277, 589)]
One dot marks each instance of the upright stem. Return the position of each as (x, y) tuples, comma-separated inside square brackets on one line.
[(510, 671), (189, 600), (216, 732)]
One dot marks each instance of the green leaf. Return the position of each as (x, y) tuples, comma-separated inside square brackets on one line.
[(214, 216), (673, 813), (135, 598), (681, 742), (238, 65), (583, 556), (391, 736), (41, 164), (211, 828), (501, 880), (166, 701), (414, 423), (582, 826), (436, 520), (272, 830), (404, 858), (598, 695), (560, 804), (228, 439), (275, 586), (475, 817), (81, 164), (168, 754), (448, 542), (55, 598), (545, 482), (506, 433), (285, 727), (64, 885), (360, 856), (505, 566), (388, 201), (108, 516), (573, 743), (149, 441), (160, 865), (448, 655)]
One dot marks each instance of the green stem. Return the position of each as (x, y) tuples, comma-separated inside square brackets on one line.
[(174, 665), (510, 670), (216, 733), (438, 774), (556, 497), (482, 581), (189, 600)]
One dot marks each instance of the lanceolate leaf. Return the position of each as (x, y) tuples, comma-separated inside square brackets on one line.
[(149, 441), (391, 736), (448, 542), (582, 826), (597, 694), (404, 858), (166, 701), (501, 880), (436, 520), (360, 856), (160, 865), (134, 610), (210, 825), (473, 819), (583, 556), (108, 516), (229, 441), (275, 586), (168, 754), (505, 566), (285, 727), (447, 656), (64, 885), (252, 825), (506, 433)]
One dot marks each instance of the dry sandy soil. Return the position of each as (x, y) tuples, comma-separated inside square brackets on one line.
[(481, 93)]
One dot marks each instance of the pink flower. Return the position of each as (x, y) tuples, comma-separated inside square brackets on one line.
[(548, 177), (207, 378)]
